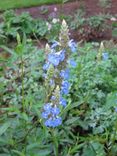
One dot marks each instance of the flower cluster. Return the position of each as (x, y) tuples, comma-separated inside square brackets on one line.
[(51, 113), (105, 56), (57, 76)]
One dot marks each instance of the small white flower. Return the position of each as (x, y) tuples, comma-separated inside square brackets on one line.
[(55, 20), (113, 19)]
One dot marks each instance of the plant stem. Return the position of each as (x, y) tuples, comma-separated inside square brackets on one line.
[(55, 141), (37, 39), (22, 75)]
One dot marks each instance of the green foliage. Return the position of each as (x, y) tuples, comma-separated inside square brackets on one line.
[(89, 120), (24, 23), (8, 4), (14, 24), (105, 3), (79, 19), (89, 28), (98, 21)]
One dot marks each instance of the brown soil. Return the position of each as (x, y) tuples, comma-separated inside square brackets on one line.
[(91, 7)]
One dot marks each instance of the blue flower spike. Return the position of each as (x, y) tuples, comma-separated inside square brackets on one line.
[(56, 77)]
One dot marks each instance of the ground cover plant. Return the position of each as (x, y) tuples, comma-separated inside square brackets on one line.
[(58, 101), (87, 29), (33, 28)]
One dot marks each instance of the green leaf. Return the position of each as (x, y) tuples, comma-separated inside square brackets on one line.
[(72, 120), (18, 153), (12, 52), (88, 151), (110, 101), (4, 127)]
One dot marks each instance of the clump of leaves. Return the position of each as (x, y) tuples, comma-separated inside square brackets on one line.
[(90, 28)]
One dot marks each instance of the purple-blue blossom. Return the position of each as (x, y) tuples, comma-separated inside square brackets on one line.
[(55, 44), (72, 63), (44, 115), (65, 74), (53, 98), (54, 59), (55, 111), (47, 107), (65, 87), (46, 66), (63, 101), (53, 122), (72, 45), (50, 114), (116, 109), (62, 55), (105, 56)]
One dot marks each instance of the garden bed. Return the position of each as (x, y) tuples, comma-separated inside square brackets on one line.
[(91, 8), (59, 99)]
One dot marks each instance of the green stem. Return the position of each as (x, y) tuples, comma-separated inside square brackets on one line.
[(55, 141), (22, 75), (37, 39), (23, 97)]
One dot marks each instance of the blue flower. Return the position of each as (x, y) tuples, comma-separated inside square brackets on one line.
[(72, 46), (53, 98), (46, 66), (72, 63), (50, 114), (105, 56), (116, 109), (62, 55), (54, 59), (65, 84), (65, 74), (48, 122), (44, 115), (57, 121), (55, 44), (47, 107), (65, 87), (55, 111), (53, 122), (63, 102)]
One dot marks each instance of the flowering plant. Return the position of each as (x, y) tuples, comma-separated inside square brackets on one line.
[(56, 76)]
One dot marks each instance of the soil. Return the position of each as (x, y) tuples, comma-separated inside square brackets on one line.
[(91, 7)]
